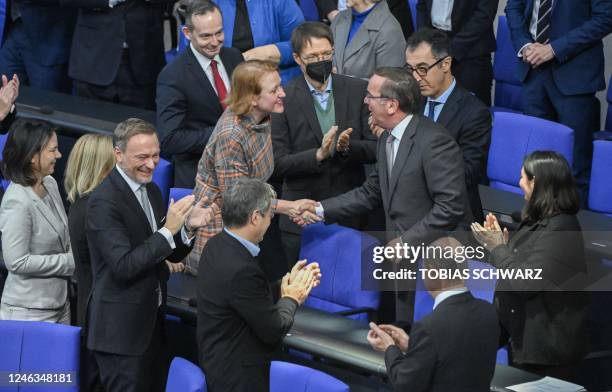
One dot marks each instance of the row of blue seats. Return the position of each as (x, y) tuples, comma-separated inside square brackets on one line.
[(30, 347)]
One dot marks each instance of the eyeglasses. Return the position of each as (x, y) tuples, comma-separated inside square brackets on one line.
[(422, 70), (318, 57), (370, 96)]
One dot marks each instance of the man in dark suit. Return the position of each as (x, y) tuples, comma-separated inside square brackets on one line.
[(451, 349), (419, 178), (469, 24), (36, 42), (241, 320), (118, 50), (190, 90), (466, 118), (563, 65), (307, 157), (129, 239)]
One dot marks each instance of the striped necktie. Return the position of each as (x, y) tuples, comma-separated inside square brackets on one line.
[(543, 27)]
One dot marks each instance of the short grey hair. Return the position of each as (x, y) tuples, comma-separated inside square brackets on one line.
[(125, 130), (401, 86), (244, 197)]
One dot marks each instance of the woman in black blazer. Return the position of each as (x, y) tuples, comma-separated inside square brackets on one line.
[(544, 320)]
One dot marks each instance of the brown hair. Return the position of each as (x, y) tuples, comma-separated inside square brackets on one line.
[(246, 84), (90, 161), (304, 33), (128, 128)]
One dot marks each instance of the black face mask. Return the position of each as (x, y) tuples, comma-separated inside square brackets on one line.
[(320, 70)]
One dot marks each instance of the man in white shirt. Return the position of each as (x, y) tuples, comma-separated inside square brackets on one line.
[(191, 90)]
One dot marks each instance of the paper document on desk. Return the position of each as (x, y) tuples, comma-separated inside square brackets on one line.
[(547, 384)]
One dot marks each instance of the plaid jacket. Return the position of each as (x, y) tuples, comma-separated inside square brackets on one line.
[(237, 148)]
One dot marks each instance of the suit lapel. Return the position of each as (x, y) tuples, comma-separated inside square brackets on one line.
[(382, 164), (342, 36), (156, 204), (402, 154), (359, 40), (227, 63), (305, 101), (58, 224), (450, 108), (129, 198), (196, 69), (341, 96)]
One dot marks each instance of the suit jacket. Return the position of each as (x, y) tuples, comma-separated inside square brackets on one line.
[(35, 247), (403, 14), (472, 26), (80, 249), (469, 122), (378, 42), (451, 349), (547, 326), (426, 192), (49, 28), (239, 323), (296, 135), (97, 46), (127, 259), (187, 111), (576, 31)]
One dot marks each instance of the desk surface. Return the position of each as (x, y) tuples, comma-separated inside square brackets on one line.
[(325, 335)]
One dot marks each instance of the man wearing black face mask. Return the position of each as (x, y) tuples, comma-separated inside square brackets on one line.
[(322, 140)]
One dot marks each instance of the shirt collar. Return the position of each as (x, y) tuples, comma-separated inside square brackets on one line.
[(251, 247), (134, 186), (203, 60), (447, 294), (314, 91), (442, 98), (399, 129)]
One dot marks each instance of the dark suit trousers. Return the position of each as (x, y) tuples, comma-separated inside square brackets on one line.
[(291, 244), (542, 98), (16, 57), (476, 75), (138, 373), (123, 90)]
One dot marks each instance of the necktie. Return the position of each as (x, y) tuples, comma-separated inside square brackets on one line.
[(219, 85), (390, 151), (543, 29), (432, 110), (144, 201)]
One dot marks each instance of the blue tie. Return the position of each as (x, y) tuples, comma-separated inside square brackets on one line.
[(432, 109)]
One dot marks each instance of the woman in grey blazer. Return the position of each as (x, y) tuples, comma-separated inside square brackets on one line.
[(35, 240), (367, 36)]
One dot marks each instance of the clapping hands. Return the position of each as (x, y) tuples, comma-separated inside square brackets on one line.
[(8, 95), (382, 336), (490, 234)]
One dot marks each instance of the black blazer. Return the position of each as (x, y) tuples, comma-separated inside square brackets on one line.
[(296, 135), (545, 327), (239, 323), (80, 249), (469, 122), (454, 348), (472, 26), (187, 111), (97, 45), (128, 265), (426, 192)]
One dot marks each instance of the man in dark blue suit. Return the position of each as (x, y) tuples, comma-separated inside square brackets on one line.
[(563, 64), (35, 44)]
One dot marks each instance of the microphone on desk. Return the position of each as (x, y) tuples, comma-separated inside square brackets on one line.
[(44, 109)]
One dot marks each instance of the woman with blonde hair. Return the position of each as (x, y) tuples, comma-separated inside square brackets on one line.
[(240, 146)]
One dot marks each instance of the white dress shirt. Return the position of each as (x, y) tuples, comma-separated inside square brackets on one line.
[(533, 24), (447, 294), (441, 11), (205, 64)]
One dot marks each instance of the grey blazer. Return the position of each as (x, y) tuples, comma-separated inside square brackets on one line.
[(379, 42), (36, 248)]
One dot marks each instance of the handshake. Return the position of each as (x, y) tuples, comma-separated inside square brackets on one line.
[(302, 212)]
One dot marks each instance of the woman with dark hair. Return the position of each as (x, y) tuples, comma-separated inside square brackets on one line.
[(35, 240), (543, 321)]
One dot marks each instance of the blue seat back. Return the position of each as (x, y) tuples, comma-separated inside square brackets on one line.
[(514, 136), (184, 376), (609, 99), (39, 347), (339, 252), (600, 191), (179, 193), (507, 86), (285, 376), (162, 176)]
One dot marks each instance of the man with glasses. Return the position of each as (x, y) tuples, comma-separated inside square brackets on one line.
[(465, 117), (191, 90), (322, 140)]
